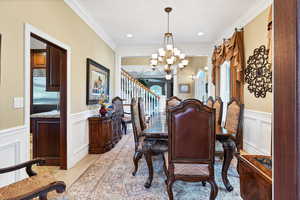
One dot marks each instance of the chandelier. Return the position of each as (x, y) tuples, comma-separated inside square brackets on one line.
[(168, 55)]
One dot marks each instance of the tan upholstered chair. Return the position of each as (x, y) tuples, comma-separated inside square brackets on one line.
[(190, 124), (119, 108), (172, 101), (144, 119), (234, 121), (210, 102), (31, 187), (218, 106), (142, 145)]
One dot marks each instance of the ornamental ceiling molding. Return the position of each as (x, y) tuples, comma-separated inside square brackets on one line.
[(244, 20), (89, 20)]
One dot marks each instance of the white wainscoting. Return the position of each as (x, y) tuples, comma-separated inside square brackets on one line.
[(14, 148), (78, 136), (257, 132)]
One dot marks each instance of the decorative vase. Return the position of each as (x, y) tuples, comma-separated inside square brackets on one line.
[(102, 111)]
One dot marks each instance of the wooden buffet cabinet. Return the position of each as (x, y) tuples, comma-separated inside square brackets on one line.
[(255, 177), (104, 133)]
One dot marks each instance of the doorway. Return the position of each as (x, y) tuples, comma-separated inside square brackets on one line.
[(46, 105)]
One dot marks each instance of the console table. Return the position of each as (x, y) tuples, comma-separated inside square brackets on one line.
[(104, 133), (255, 177)]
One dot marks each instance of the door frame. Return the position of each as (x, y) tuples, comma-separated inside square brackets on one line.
[(29, 29), (286, 100)]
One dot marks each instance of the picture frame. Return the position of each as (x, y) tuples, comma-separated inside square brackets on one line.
[(97, 83), (184, 88)]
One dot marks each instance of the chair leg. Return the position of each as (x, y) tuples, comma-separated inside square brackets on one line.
[(170, 182), (148, 157), (43, 197), (125, 129), (214, 189), (137, 156), (165, 167)]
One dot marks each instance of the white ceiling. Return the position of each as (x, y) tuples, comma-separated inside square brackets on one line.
[(146, 19)]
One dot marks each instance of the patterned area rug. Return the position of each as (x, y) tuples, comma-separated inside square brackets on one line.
[(109, 178)]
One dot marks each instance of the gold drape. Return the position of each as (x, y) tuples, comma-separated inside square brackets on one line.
[(231, 50)]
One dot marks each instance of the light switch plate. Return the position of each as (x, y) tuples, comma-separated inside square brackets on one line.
[(18, 102)]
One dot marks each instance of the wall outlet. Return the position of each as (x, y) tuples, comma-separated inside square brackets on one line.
[(18, 102)]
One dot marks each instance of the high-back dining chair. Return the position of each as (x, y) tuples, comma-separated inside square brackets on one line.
[(218, 106), (172, 101), (142, 145), (210, 102), (119, 108), (190, 124), (143, 119), (234, 121)]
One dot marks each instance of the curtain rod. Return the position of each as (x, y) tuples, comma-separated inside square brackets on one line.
[(236, 30)]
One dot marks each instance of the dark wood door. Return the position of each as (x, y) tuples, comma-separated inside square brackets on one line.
[(286, 100), (54, 65)]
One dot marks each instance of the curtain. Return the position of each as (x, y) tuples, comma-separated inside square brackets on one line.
[(231, 50)]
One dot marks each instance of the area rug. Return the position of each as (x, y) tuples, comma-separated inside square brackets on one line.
[(110, 178)]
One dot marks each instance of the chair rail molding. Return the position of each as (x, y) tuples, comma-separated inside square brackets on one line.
[(14, 147), (257, 132)]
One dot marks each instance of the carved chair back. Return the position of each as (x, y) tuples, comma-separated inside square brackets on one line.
[(118, 106), (218, 106), (190, 124), (136, 124), (234, 120), (142, 113), (210, 102), (172, 101)]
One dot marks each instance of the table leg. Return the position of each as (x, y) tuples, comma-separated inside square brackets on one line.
[(148, 157), (229, 148)]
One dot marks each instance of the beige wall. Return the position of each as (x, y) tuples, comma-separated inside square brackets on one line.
[(55, 18), (255, 35), (184, 76)]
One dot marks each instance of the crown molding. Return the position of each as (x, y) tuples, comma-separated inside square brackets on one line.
[(89, 20), (244, 20)]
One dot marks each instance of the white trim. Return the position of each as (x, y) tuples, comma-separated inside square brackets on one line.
[(28, 30), (249, 15), (257, 132), (89, 20)]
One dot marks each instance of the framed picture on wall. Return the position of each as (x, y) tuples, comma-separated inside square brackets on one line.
[(184, 88), (97, 85)]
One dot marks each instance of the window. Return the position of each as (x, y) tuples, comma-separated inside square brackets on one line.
[(225, 87), (40, 95), (200, 84), (156, 89)]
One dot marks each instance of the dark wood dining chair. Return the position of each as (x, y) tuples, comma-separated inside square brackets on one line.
[(144, 147), (190, 124), (210, 102), (32, 187), (234, 122), (144, 120), (218, 106), (119, 108), (172, 101)]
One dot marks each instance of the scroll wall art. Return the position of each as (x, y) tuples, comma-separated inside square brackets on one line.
[(258, 73)]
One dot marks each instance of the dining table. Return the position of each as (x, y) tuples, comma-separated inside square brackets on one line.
[(158, 130)]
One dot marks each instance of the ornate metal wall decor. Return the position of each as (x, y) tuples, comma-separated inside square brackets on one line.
[(258, 73)]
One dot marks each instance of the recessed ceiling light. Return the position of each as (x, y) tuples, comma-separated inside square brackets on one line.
[(129, 35), (200, 34)]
